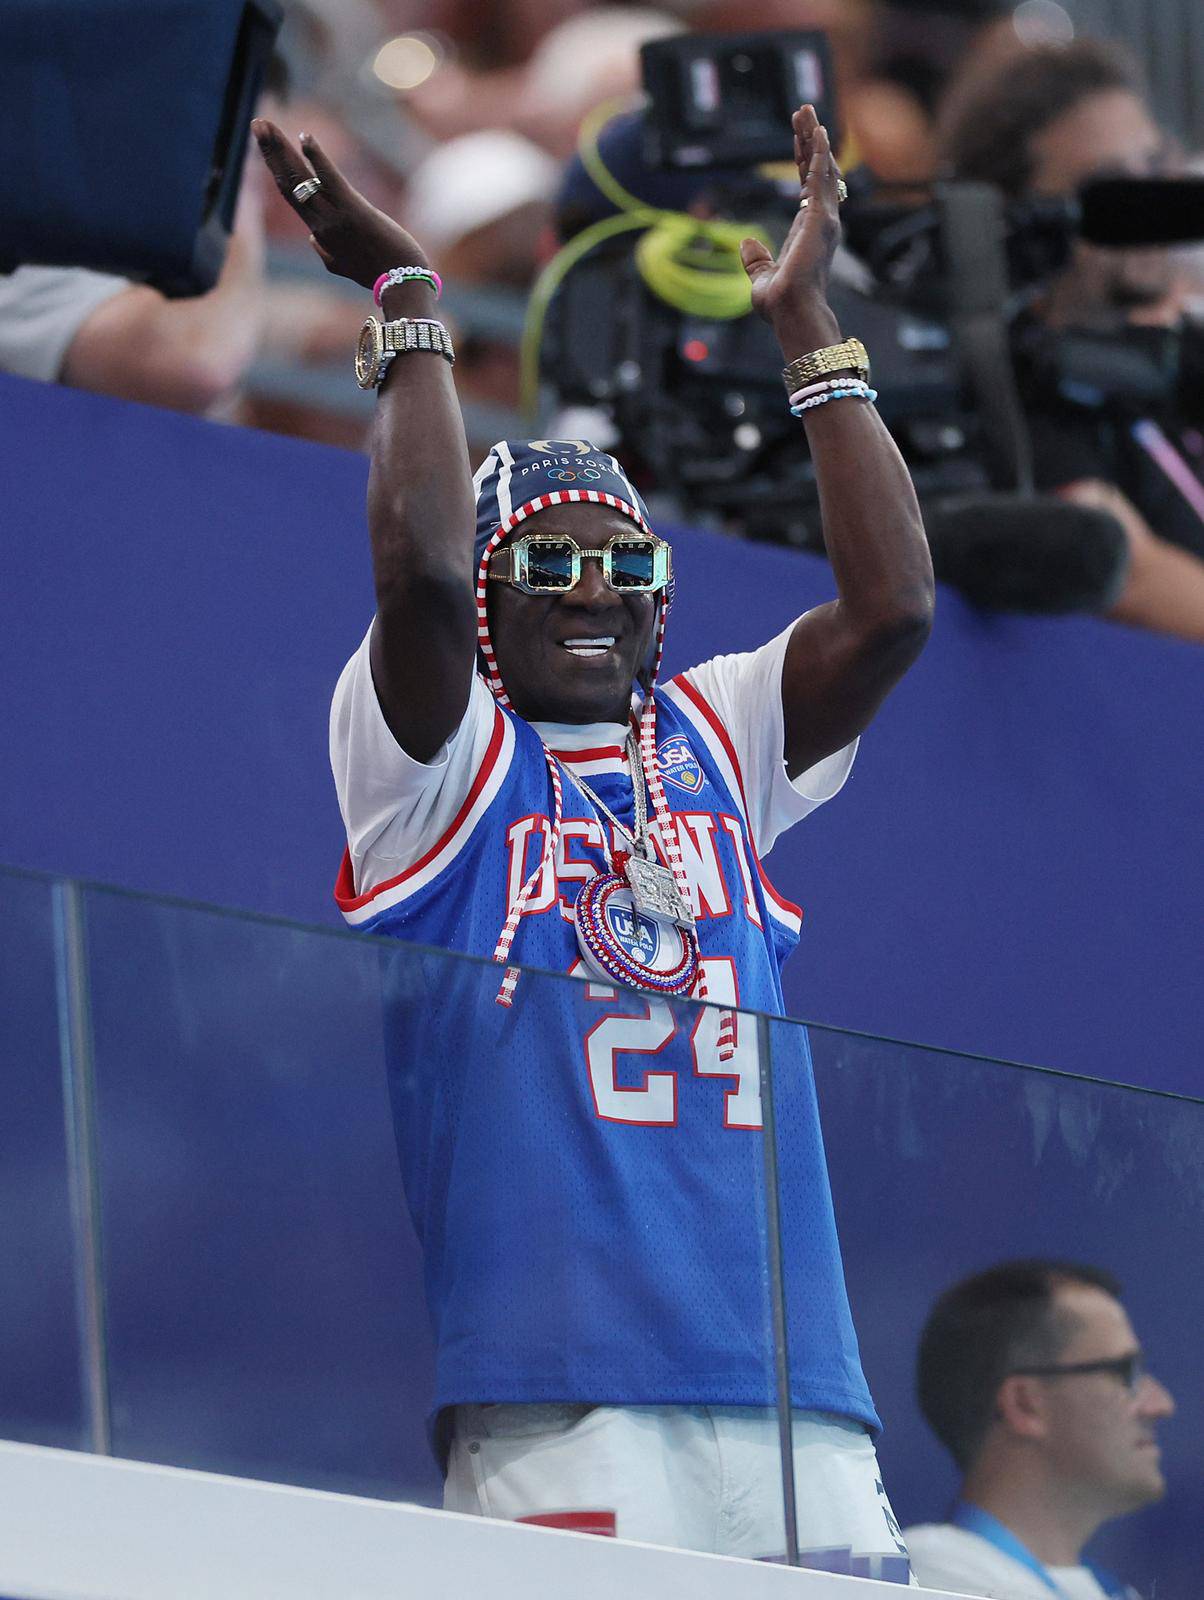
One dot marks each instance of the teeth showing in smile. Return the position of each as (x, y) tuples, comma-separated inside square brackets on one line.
[(589, 647)]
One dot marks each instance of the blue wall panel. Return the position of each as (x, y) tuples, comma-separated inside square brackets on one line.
[(1013, 869)]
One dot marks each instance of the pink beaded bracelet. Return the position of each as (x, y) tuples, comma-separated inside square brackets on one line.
[(402, 274)]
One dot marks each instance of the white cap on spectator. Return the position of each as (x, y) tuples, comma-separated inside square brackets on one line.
[(473, 180)]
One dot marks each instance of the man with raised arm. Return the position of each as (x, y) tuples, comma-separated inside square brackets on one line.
[(515, 784)]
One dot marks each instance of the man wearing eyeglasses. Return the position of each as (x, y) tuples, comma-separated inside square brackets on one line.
[(1031, 1376), (582, 1161)]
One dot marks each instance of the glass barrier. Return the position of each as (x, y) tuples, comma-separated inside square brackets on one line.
[(944, 1165), (42, 1398), (251, 1083), (242, 1089)]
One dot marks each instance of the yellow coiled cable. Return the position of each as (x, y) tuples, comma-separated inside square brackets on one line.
[(691, 264)]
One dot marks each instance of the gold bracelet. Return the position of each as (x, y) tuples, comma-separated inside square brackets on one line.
[(851, 356)]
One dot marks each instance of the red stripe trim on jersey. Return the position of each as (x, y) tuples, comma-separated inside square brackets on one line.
[(606, 752), (787, 906), (344, 893), (711, 716), (602, 1523)]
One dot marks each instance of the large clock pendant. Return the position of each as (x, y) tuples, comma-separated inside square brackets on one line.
[(622, 945)]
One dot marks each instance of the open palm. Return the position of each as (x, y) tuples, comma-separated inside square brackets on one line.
[(799, 275)]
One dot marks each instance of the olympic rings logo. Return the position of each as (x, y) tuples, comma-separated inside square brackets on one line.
[(567, 475), (560, 447)]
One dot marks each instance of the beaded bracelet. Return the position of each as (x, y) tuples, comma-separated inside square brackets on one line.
[(404, 275), (822, 388), (861, 391)]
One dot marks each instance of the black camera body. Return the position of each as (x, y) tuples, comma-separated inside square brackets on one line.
[(700, 409), (726, 100)]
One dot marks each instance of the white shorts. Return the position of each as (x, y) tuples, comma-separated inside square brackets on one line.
[(694, 1477)]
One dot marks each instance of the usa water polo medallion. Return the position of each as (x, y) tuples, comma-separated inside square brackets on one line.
[(679, 765), (621, 946)]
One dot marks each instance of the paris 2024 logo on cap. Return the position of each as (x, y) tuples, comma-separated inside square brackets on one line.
[(679, 765)]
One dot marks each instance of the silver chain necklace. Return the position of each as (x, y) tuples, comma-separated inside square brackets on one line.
[(653, 887), (639, 840)]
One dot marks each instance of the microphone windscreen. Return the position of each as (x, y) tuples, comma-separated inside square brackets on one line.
[(1142, 211), (1035, 553)]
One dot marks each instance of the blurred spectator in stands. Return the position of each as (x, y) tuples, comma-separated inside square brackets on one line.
[(333, 47), (1031, 1376), (1041, 123), (912, 51), (589, 57), (893, 60), (482, 205), (487, 34), (95, 331), (298, 384)]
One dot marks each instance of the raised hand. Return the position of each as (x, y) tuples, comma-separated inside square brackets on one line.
[(352, 237), (798, 279)]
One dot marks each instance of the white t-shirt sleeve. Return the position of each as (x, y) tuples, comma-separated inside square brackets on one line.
[(957, 1561), (41, 311), (745, 693), (394, 808)]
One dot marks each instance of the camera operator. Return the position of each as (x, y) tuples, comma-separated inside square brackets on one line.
[(1040, 124)]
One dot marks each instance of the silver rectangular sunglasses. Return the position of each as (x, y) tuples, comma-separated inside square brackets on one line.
[(547, 563)]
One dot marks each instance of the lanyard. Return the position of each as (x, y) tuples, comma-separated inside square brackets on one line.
[(975, 1520)]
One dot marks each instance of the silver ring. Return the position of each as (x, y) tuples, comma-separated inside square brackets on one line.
[(306, 189), (804, 202)]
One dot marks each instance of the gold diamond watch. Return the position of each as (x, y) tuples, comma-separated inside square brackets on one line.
[(379, 342), (851, 356)]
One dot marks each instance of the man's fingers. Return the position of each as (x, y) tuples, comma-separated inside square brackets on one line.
[(286, 164), (821, 170), (754, 257), (323, 166), (822, 146), (804, 123)]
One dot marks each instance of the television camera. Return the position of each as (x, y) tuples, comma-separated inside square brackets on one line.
[(656, 334)]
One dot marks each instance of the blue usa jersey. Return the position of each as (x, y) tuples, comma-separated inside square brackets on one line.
[(584, 1167)]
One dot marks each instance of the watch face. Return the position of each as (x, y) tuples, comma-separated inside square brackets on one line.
[(368, 353)]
